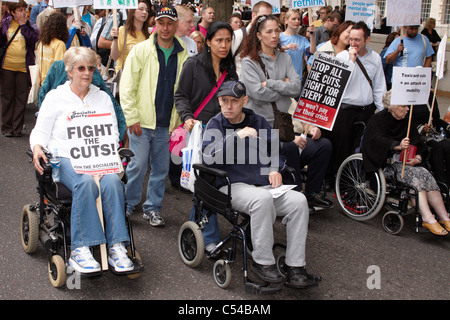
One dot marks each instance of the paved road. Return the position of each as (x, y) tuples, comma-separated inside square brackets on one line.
[(342, 251)]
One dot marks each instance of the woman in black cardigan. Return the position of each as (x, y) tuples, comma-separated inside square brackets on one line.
[(385, 135)]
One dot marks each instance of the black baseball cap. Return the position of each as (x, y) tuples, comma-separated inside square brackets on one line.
[(167, 12), (232, 88)]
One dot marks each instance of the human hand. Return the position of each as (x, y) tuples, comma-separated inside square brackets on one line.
[(135, 129), (400, 47), (38, 153), (189, 124), (247, 132), (315, 133), (114, 32), (352, 53), (300, 141), (275, 179)]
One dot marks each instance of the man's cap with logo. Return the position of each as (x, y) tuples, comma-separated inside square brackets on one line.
[(232, 88), (167, 12)]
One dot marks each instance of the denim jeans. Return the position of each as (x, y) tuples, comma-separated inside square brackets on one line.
[(85, 226), (211, 231), (151, 148)]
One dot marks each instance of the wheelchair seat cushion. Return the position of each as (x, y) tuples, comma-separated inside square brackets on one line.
[(59, 192)]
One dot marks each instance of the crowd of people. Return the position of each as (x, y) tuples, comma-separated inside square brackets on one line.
[(169, 66)]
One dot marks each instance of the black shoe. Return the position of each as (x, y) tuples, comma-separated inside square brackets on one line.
[(266, 273), (298, 278), (319, 200)]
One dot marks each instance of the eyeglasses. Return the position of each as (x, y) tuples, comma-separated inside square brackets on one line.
[(83, 68)]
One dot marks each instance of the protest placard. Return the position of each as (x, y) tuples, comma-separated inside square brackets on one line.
[(70, 3), (321, 95), (302, 4), (361, 10), (276, 6), (403, 13), (410, 86), (92, 143), (115, 4)]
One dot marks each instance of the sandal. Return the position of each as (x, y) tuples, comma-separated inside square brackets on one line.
[(446, 225), (435, 228)]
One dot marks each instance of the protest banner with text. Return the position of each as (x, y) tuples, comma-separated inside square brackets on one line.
[(92, 142), (410, 86), (302, 4), (400, 13), (322, 93)]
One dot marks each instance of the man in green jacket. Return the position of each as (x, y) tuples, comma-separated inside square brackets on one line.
[(148, 83)]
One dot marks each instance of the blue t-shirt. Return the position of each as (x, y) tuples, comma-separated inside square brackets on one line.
[(418, 48), (296, 55)]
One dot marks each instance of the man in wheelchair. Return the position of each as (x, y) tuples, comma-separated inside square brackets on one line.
[(244, 145)]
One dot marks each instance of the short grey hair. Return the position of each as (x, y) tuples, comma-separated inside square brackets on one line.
[(387, 99), (76, 55)]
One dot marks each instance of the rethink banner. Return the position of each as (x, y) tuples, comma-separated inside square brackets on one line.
[(301, 4)]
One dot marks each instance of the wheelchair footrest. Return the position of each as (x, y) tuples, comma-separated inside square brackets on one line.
[(138, 267), (260, 288)]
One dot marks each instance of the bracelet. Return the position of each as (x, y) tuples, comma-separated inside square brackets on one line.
[(114, 38), (420, 160)]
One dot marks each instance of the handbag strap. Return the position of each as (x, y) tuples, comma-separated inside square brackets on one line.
[(263, 67), (12, 38), (210, 95), (361, 66)]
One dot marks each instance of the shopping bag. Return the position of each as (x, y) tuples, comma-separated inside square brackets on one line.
[(191, 154), (33, 96)]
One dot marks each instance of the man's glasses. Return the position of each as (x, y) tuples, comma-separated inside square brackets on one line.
[(83, 68)]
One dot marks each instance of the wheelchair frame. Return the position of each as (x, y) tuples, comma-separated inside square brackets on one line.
[(48, 221), (362, 195), (190, 237)]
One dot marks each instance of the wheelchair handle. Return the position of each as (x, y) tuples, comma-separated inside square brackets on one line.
[(212, 171)]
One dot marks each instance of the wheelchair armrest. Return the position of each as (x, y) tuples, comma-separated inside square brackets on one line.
[(212, 171)]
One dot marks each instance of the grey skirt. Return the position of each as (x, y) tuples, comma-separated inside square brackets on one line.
[(417, 177)]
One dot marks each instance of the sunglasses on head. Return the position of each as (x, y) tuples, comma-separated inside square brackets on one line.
[(83, 68)]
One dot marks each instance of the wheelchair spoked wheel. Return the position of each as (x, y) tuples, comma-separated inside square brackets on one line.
[(360, 195), (29, 230), (393, 222), (222, 273), (191, 245), (57, 271)]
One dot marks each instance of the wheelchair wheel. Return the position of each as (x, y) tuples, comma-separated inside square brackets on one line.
[(392, 222), (191, 245), (222, 273), (29, 230), (361, 195), (57, 271)]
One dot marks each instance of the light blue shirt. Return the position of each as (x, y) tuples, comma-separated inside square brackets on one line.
[(418, 49), (296, 55)]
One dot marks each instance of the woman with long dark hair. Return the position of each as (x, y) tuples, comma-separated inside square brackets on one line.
[(200, 74), (52, 46), (271, 78)]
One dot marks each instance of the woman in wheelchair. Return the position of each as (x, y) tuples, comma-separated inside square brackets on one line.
[(386, 135), (50, 133), (252, 172)]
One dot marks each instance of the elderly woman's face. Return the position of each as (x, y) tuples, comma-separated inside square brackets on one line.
[(81, 74), (399, 112)]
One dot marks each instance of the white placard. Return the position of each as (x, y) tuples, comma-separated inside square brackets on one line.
[(92, 143), (71, 3), (302, 4), (276, 6), (410, 86), (440, 58), (115, 4), (400, 13), (361, 10), (14, 1)]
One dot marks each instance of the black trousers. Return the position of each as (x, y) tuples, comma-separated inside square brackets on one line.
[(316, 156), (346, 134), (440, 160)]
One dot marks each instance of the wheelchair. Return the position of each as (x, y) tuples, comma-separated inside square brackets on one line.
[(362, 195), (48, 222), (208, 200)]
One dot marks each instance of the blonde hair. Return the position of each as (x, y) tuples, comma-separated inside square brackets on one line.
[(429, 22), (387, 99), (289, 13), (183, 12), (76, 55)]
